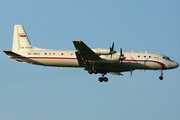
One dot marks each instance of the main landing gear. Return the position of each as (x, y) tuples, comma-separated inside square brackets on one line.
[(101, 79), (95, 71), (161, 77)]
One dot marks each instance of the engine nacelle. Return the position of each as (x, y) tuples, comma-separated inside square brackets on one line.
[(101, 51), (110, 59), (106, 61)]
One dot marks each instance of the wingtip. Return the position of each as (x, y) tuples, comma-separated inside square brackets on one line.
[(77, 41), (6, 50)]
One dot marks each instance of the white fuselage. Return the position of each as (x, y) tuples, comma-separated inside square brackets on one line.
[(67, 58), (95, 61)]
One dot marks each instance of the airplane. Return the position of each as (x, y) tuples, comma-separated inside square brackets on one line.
[(94, 61)]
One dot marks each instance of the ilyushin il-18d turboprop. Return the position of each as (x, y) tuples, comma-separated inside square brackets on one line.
[(94, 61)]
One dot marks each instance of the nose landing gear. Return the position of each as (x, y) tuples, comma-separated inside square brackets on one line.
[(161, 77)]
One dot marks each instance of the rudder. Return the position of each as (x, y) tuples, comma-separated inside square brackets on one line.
[(20, 39)]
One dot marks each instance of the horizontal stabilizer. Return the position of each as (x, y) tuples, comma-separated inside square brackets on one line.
[(12, 54)]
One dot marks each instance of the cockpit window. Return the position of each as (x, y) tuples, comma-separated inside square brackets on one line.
[(167, 58)]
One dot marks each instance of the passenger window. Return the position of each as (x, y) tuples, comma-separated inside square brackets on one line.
[(71, 53), (138, 55), (149, 56), (49, 53), (61, 53), (53, 53), (144, 56), (45, 53)]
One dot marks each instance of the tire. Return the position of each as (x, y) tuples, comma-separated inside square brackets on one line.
[(90, 71), (95, 71), (161, 77), (105, 79), (100, 79)]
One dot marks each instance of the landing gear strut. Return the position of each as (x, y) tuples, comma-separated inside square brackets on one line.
[(161, 77), (93, 70), (101, 79)]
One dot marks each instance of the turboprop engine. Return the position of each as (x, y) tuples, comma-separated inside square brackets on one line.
[(110, 59), (101, 51)]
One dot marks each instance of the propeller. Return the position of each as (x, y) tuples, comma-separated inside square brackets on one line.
[(121, 56), (112, 50), (131, 73)]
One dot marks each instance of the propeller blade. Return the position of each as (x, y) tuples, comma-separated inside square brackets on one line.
[(113, 46), (121, 51), (121, 57), (112, 49), (131, 73)]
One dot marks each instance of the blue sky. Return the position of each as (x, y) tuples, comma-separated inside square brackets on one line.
[(36, 92)]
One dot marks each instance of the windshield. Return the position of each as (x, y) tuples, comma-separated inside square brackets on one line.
[(167, 58)]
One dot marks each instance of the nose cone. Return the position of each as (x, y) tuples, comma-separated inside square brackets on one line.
[(177, 65), (174, 65)]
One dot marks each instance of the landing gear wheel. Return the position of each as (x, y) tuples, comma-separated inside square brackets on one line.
[(95, 71), (105, 79), (161, 77), (100, 79), (90, 71)]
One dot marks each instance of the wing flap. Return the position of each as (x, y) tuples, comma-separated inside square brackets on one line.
[(116, 73), (80, 59)]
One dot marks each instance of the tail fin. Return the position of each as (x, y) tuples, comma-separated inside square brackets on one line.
[(20, 40)]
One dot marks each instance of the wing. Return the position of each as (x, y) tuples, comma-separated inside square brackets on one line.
[(85, 54)]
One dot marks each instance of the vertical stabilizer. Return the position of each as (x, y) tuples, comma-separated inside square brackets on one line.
[(20, 39)]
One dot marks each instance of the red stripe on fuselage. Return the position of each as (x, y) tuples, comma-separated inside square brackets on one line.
[(43, 58), (163, 66)]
